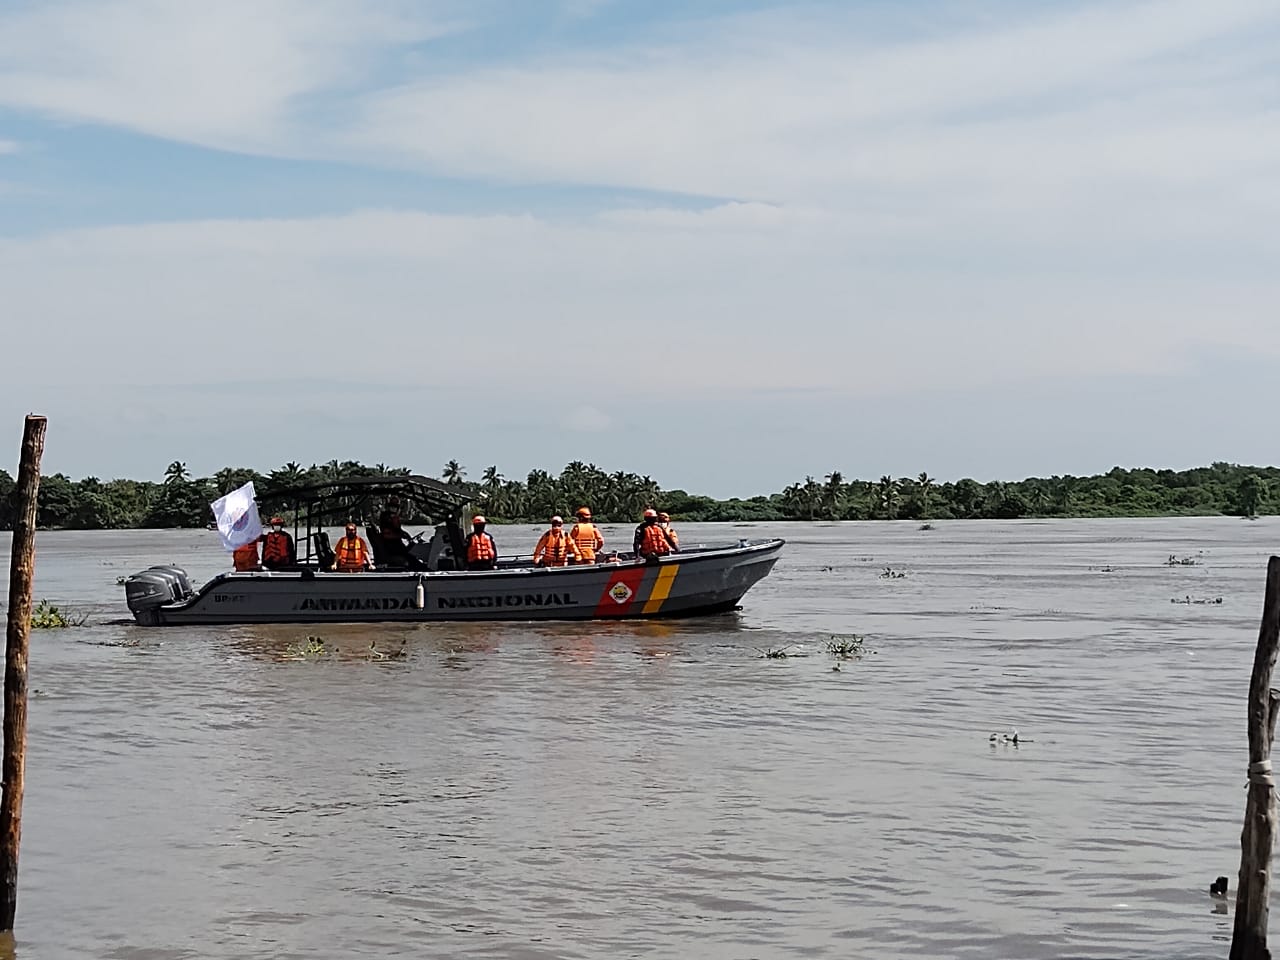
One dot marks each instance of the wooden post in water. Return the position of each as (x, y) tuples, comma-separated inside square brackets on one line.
[(21, 575), (1249, 937)]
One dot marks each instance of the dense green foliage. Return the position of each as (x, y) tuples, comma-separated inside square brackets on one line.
[(183, 501)]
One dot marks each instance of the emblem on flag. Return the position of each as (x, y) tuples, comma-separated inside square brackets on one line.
[(237, 516)]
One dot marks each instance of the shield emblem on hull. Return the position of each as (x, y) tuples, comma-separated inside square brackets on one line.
[(620, 593)]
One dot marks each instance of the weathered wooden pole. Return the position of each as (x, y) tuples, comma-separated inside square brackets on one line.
[(21, 574), (1253, 894)]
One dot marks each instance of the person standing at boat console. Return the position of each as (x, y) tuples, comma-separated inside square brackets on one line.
[(482, 552), (395, 539), (351, 555), (555, 547), (652, 540), (586, 536)]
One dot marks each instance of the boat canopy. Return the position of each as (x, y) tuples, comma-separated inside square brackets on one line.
[(336, 501)]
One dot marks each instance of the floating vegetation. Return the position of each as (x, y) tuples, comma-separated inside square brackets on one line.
[(399, 654), (312, 648), (847, 647), (1196, 600), (986, 607), (48, 617), (1177, 561), (888, 573), (1107, 568), (926, 526), (782, 653)]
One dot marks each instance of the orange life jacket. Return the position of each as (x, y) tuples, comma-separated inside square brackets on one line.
[(554, 548), (588, 539), (277, 548), (246, 557), (480, 547), (350, 554), (654, 543), (675, 540)]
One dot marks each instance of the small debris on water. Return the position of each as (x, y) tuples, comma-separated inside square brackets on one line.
[(1218, 888), (1011, 737), (399, 654), (1196, 600), (891, 574), (782, 653)]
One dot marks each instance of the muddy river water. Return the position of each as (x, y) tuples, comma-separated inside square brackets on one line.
[(663, 789)]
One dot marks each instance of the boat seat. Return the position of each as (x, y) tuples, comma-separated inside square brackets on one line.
[(324, 550), (376, 545)]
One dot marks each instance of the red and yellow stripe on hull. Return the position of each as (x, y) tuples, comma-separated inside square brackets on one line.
[(621, 594)]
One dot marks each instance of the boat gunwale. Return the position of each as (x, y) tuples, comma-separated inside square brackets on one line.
[(691, 556)]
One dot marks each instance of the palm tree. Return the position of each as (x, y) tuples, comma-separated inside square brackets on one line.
[(454, 472), (925, 487), (288, 475), (833, 495), (811, 493), (888, 498), (176, 473)]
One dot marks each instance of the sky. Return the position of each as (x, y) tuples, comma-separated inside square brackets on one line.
[(726, 244)]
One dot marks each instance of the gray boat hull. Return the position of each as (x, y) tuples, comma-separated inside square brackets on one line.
[(699, 581)]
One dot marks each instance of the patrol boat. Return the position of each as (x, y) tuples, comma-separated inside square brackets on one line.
[(428, 582)]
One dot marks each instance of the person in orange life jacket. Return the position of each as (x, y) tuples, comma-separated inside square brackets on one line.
[(651, 541), (245, 558), (555, 547), (586, 536), (482, 552), (664, 519), (278, 552), (351, 555)]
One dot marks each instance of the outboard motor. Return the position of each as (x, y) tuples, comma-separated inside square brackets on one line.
[(153, 588)]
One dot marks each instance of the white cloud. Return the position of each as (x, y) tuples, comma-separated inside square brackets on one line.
[(753, 111), (1066, 194), (818, 304), (8, 147), (231, 74)]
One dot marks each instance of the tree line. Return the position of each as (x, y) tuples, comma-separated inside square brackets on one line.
[(182, 500)]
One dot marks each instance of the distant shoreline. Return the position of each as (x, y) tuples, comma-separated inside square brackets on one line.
[(181, 501)]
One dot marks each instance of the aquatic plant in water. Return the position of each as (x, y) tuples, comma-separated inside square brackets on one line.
[(48, 617), (311, 648), (848, 647)]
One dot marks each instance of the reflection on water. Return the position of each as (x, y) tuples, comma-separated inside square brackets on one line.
[(661, 788)]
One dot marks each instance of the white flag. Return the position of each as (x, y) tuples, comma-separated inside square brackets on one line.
[(237, 516)]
